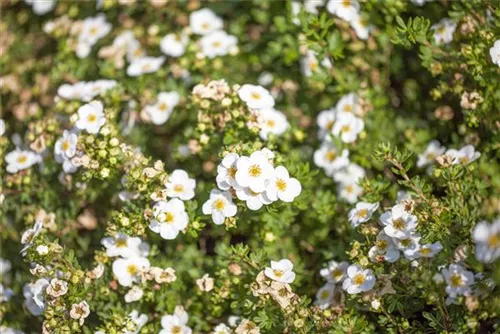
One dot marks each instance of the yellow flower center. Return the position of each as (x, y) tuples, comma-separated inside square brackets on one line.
[(425, 251), (337, 273), (346, 3), (398, 224), (22, 159), (163, 106), (494, 241), (405, 242), (205, 25), (382, 245), (93, 31), (146, 67), (217, 44), (65, 145), (178, 188), (281, 185), (346, 128), (219, 204), (92, 118), (231, 171), (278, 273), (347, 108), (329, 125), (330, 156), (325, 294), (169, 218), (464, 160), (120, 243), (255, 96), (363, 213), (313, 65), (359, 279), (132, 269), (176, 330), (254, 171), (349, 189), (270, 123), (456, 280)]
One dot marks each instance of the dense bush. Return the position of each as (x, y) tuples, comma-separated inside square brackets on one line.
[(250, 167)]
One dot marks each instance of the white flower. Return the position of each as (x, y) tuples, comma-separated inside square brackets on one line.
[(85, 91), (443, 31), (126, 43), (91, 117), (347, 127), (144, 65), (398, 223), (127, 271), (2, 127), (125, 246), (254, 171), (174, 45), (162, 109), (222, 329), (282, 186), (419, 2), (180, 185), (34, 296), (347, 105), (66, 145), (20, 159), (487, 239), (310, 63), (93, 29), (296, 8), (324, 296), (330, 159), (335, 271), (464, 156), (256, 97), (204, 21), (429, 250), (57, 287), (433, 150), (175, 323), (384, 249), (281, 271), (326, 119), (495, 52), (358, 280), (42, 7), (349, 192), (169, 218), (347, 179), (218, 43), (311, 6), (361, 27), (134, 294), (226, 171), (458, 280), (220, 205), (5, 266), (345, 9), (80, 311), (409, 246), (42, 250), (362, 213), (253, 200), (139, 319), (5, 295), (30, 234), (272, 121)]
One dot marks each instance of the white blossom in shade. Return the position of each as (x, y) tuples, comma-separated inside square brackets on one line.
[(324, 296), (29, 235), (495, 52), (91, 117), (253, 200), (21, 159), (204, 22), (325, 120), (218, 43), (222, 329), (335, 272), (362, 213), (329, 157), (384, 249), (125, 246), (160, 111), (34, 294), (458, 280), (347, 105), (134, 294), (42, 7), (419, 2), (124, 44), (361, 27), (352, 173), (433, 150), (358, 280), (57, 288), (281, 271), (443, 31), (2, 127), (175, 323), (5, 295), (347, 127), (93, 29), (80, 311), (66, 145), (310, 63), (256, 97), (272, 121), (220, 205), (464, 156), (42, 250), (254, 171), (144, 65), (282, 186), (169, 218), (429, 250), (139, 319), (296, 8), (311, 6), (226, 171), (127, 271), (265, 79), (174, 45), (487, 239), (85, 91), (398, 223), (5, 266), (409, 246), (345, 9), (180, 185)]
